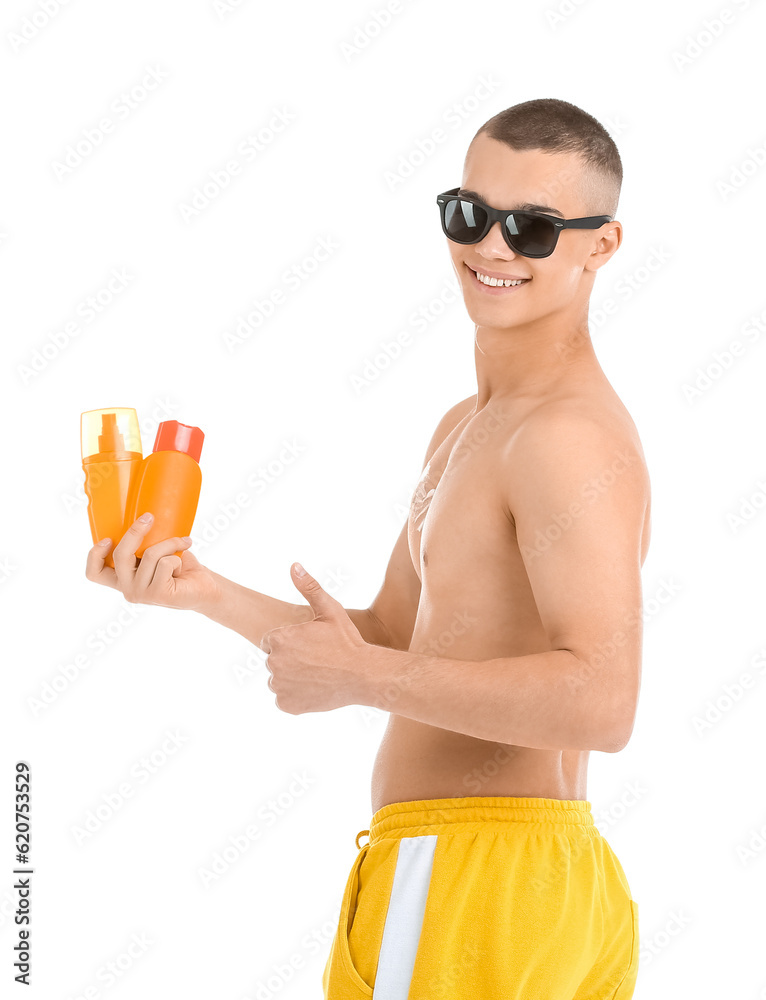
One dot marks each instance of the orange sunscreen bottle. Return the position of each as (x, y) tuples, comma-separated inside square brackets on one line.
[(168, 483), (111, 457)]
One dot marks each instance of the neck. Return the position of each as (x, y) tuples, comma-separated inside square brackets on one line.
[(532, 361)]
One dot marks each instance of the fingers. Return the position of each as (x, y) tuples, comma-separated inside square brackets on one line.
[(95, 568), (189, 560), (152, 578), (157, 564), (267, 639), (124, 554)]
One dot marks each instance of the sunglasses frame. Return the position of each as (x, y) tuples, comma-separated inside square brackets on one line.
[(501, 215)]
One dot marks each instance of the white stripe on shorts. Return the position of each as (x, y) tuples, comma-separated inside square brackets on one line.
[(404, 917)]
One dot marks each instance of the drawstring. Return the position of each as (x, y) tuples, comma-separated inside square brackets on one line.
[(361, 834)]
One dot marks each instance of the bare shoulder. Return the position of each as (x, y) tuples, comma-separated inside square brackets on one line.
[(578, 439), (454, 415)]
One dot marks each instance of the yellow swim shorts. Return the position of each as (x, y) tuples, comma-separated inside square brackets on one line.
[(484, 898)]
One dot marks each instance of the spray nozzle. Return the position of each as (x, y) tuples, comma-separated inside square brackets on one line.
[(110, 438)]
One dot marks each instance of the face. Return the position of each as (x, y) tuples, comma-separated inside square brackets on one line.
[(506, 178)]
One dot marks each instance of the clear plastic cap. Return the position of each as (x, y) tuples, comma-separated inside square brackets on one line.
[(111, 434)]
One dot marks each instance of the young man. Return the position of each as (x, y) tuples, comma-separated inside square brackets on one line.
[(506, 639)]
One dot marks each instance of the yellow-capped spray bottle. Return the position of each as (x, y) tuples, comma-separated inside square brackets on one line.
[(111, 460)]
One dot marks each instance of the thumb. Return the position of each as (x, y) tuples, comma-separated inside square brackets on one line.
[(321, 602)]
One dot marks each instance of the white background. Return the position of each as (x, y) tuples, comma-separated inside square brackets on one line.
[(677, 805)]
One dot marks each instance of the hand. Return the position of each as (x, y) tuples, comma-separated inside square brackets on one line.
[(159, 576), (318, 665)]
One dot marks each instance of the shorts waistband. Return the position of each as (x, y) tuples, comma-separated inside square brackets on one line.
[(403, 818)]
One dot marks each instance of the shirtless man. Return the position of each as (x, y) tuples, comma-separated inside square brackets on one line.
[(506, 639)]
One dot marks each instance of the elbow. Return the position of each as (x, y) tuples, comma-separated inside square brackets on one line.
[(613, 737), (381, 634), (620, 706), (615, 744), (610, 714)]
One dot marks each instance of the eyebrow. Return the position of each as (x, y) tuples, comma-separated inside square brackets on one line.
[(523, 206)]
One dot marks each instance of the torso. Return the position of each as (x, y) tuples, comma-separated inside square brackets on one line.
[(463, 547)]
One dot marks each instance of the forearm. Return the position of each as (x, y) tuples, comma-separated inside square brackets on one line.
[(252, 614), (538, 701)]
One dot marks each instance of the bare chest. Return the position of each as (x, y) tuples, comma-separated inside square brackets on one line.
[(458, 531), (463, 540)]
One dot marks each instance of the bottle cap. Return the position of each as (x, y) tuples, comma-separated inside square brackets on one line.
[(110, 434), (173, 436)]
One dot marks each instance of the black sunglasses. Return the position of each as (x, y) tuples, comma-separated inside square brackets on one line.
[(531, 234)]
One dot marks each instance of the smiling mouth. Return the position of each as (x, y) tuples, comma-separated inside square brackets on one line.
[(496, 285)]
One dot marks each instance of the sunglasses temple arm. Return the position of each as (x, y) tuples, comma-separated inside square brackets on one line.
[(592, 222)]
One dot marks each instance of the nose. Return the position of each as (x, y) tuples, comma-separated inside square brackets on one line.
[(495, 244)]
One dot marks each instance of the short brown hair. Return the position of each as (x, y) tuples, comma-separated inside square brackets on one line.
[(560, 127)]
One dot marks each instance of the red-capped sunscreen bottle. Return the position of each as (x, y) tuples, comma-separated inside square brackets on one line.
[(168, 483), (111, 458)]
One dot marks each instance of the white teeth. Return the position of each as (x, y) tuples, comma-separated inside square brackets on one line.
[(497, 281)]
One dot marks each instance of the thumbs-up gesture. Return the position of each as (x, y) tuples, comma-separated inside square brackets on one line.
[(318, 665)]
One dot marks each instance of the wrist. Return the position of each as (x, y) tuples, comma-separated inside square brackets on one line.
[(382, 677), (211, 604)]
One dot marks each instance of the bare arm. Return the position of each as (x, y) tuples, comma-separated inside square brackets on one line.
[(388, 621), (252, 614), (576, 497)]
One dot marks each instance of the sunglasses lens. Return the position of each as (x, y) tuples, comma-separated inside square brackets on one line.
[(529, 235), (464, 222)]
